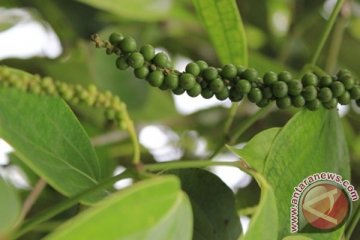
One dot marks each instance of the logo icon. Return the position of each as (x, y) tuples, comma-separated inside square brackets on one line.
[(321, 202), (325, 206)]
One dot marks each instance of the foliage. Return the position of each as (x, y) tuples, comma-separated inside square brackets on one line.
[(74, 131)]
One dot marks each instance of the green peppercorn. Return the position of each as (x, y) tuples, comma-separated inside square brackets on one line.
[(283, 103), (298, 101), (194, 91), (295, 87), (210, 73), (331, 104), (259, 82), (202, 64), (310, 79), (343, 73), (148, 52), (250, 74), (217, 85), (267, 93), (240, 69), (141, 72), (270, 78), (128, 44), (337, 88), (285, 76), (193, 69), (279, 89), (309, 93), (325, 94), (243, 86), (163, 86), (229, 71), (110, 114), (348, 81), (187, 81), (115, 38), (135, 60), (344, 99), (234, 95), (161, 60), (255, 95), (223, 94), (171, 81), (355, 92), (155, 78), (35, 88), (313, 105), (178, 91), (207, 93), (121, 63), (325, 81), (263, 103)]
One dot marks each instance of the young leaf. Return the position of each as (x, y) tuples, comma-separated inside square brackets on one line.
[(310, 142), (155, 209), (49, 139), (256, 150), (224, 25), (213, 205), (266, 213), (9, 208)]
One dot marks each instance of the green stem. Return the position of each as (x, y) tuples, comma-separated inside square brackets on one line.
[(53, 211), (248, 123), (134, 139), (327, 30), (335, 45), (187, 164), (241, 129), (230, 119), (353, 223)]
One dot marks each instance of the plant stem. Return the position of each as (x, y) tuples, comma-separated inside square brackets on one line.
[(241, 129), (33, 196), (248, 123), (335, 45), (230, 119), (134, 139), (327, 30), (53, 211), (352, 224), (187, 164)]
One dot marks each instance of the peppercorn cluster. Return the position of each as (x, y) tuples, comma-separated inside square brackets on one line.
[(73, 94), (230, 81)]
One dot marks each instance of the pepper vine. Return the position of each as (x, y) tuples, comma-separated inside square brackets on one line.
[(312, 90)]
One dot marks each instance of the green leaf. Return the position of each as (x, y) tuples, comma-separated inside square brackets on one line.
[(296, 237), (266, 213), (159, 105), (10, 208), (256, 150), (155, 209), (310, 142), (213, 204), (224, 25), (49, 139), (265, 64), (143, 10)]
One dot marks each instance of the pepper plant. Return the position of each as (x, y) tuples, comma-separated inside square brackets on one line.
[(74, 122)]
